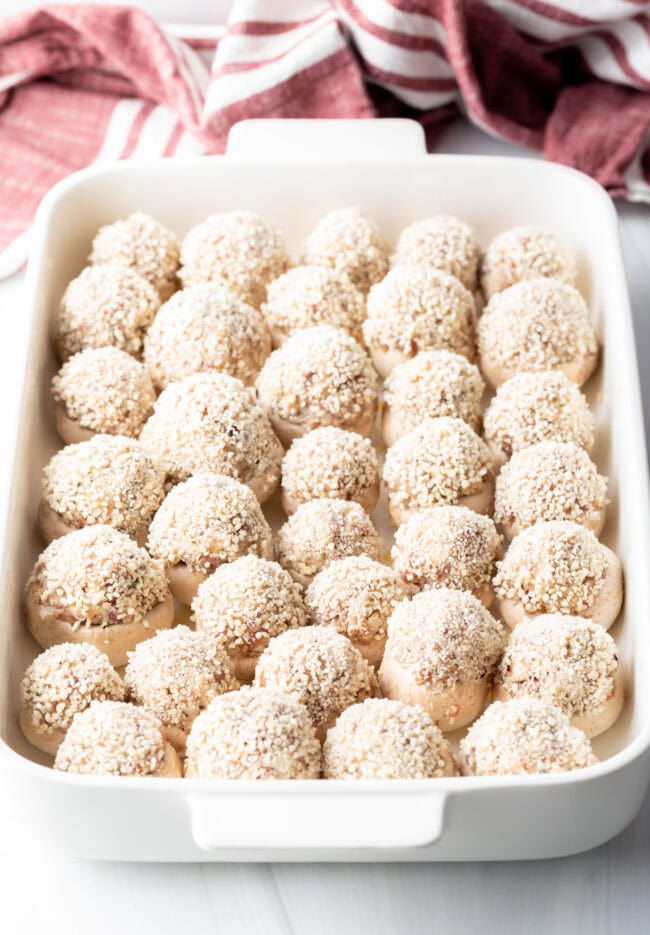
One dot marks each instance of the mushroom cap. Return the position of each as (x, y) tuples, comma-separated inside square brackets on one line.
[(143, 244), (106, 305), (524, 735), (384, 739), (112, 738), (254, 733), (237, 249), (349, 243), (206, 328)]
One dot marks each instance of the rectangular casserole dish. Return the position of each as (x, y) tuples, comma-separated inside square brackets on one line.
[(291, 172)]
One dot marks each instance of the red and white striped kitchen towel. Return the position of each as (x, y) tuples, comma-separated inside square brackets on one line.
[(83, 84)]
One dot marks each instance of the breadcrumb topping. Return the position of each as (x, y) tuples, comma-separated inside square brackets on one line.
[(568, 662), (437, 463), (204, 328), (442, 242), (432, 384), (142, 243), (356, 596), (236, 248), (446, 546), (97, 576), (323, 530), (444, 638), (105, 390), (108, 479), (253, 734), (537, 407), (64, 680), (320, 376), (314, 295), (319, 668), (416, 308), (105, 305), (330, 463), (207, 520), (525, 253), (247, 602), (176, 674), (521, 736), (212, 422), (112, 738), (384, 739), (537, 324), (550, 481), (552, 567), (351, 244)]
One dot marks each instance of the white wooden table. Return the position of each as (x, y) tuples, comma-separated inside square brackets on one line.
[(604, 891)]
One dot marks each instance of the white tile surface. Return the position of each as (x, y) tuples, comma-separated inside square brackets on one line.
[(604, 891)]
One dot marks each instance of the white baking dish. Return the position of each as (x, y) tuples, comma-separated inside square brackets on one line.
[(291, 173)]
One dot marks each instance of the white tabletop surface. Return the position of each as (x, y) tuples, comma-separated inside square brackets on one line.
[(604, 891)]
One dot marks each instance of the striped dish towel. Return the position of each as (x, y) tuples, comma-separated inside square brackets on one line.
[(90, 84)]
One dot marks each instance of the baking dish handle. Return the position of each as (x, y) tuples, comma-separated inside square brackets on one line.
[(289, 821), (326, 140)]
